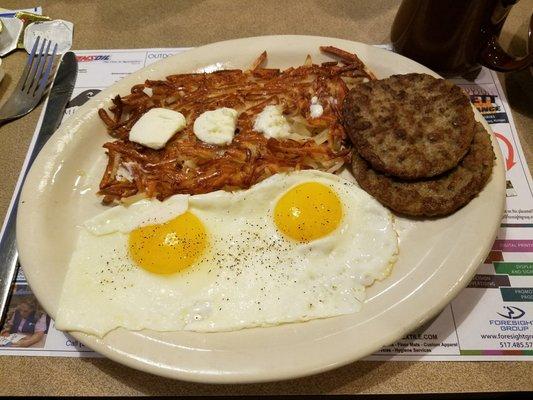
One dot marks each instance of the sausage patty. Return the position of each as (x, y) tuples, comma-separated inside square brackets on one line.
[(436, 196), (409, 126)]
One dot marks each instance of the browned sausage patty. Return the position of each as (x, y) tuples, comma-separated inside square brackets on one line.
[(409, 126), (436, 196)]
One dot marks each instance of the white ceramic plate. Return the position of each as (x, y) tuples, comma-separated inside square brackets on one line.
[(437, 257)]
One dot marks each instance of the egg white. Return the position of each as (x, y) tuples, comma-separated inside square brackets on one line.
[(250, 275)]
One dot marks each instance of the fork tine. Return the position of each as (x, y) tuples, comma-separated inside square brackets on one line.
[(42, 63), (33, 82), (26, 71), (43, 83), (36, 66)]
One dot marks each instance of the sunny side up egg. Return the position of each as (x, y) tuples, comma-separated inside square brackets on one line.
[(294, 247)]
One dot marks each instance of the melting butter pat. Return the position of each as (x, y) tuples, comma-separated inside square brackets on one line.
[(216, 126), (272, 123), (155, 128), (315, 109)]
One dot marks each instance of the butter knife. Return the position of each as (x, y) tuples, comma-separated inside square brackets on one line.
[(60, 94)]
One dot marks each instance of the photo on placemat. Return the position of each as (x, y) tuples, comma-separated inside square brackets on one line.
[(26, 324)]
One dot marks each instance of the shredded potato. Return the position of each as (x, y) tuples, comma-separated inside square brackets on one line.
[(187, 165)]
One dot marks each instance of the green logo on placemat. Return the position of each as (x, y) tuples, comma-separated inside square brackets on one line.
[(514, 268)]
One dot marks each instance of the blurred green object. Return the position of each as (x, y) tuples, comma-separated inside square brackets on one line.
[(27, 18)]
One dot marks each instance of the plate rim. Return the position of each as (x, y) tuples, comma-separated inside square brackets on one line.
[(101, 347)]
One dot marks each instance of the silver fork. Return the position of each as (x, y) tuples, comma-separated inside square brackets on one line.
[(32, 84)]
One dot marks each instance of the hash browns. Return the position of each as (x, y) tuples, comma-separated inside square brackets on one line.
[(187, 165)]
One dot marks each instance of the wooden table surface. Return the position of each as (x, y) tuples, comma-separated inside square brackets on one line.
[(144, 24)]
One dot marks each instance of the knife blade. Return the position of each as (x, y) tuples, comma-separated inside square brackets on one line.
[(60, 93)]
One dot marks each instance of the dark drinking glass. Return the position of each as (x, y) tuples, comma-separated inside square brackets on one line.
[(455, 37)]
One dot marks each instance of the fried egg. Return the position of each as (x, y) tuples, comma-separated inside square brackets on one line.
[(297, 246)]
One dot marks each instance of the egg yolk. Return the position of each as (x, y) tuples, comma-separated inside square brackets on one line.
[(308, 211), (170, 247)]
